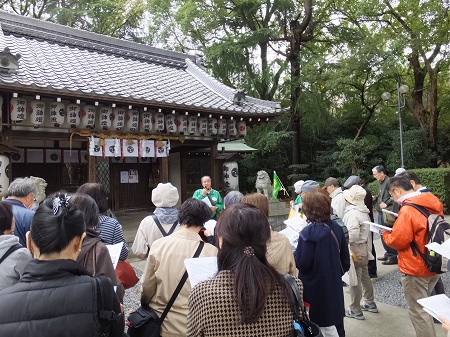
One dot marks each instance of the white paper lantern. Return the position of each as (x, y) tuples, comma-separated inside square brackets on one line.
[(146, 121), (231, 176), (232, 131), (203, 126), (18, 109), (242, 128), (192, 125), (182, 124), (36, 109), (88, 116), (170, 123), (57, 113), (213, 126), (73, 114), (132, 120), (4, 179), (223, 127), (118, 119), (105, 118), (158, 123)]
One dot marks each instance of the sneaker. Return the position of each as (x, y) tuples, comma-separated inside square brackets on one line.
[(354, 314), (369, 307)]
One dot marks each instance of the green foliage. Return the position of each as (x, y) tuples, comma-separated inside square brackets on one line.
[(353, 156), (438, 181), (415, 151), (273, 152)]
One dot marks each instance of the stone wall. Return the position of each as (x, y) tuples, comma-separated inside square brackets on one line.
[(278, 212)]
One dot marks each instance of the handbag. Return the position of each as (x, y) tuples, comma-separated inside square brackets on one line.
[(144, 322), (303, 327), (126, 274)]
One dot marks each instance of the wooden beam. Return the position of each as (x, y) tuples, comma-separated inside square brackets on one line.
[(214, 166), (91, 178), (164, 175), (183, 169)]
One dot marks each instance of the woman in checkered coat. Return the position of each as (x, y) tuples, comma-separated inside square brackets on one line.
[(247, 297)]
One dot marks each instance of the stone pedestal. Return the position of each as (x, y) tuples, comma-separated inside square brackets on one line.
[(278, 212)]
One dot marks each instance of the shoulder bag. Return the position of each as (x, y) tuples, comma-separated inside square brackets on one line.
[(303, 327), (144, 322), (10, 251), (163, 232)]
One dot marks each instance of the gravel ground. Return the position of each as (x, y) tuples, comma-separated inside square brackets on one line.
[(132, 299), (388, 289)]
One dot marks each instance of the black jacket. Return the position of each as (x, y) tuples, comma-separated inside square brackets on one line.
[(53, 298)]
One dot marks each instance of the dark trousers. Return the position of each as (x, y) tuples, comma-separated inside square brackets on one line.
[(340, 329), (372, 266), (390, 254)]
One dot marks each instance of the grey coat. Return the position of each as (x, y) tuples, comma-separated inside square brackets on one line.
[(11, 268)]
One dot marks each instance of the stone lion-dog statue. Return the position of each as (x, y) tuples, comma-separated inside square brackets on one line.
[(263, 184)]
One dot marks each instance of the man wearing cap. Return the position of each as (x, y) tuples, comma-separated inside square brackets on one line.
[(368, 201), (356, 212), (383, 200), (337, 198), (307, 186), (213, 196), (164, 197)]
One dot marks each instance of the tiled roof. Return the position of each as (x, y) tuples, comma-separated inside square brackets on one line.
[(71, 62)]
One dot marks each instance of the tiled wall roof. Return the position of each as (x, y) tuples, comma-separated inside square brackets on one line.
[(69, 61)]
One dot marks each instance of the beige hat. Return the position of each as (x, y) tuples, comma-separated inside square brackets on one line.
[(165, 195), (355, 195)]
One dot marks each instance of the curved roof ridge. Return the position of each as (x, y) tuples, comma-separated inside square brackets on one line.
[(87, 40), (224, 90)]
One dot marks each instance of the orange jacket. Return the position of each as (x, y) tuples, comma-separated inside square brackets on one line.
[(411, 226)]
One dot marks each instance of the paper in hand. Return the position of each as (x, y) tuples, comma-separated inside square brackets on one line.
[(374, 227), (438, 305), (207, 201), (114, 251), (201, 269)]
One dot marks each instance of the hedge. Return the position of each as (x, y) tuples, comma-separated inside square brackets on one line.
[(436, 179)]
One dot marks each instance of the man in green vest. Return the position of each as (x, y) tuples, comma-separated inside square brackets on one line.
[(210, 196)]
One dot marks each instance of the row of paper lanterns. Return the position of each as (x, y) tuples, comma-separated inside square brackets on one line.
[(118, 118)]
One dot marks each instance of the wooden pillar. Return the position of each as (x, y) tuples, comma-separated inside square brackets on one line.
[(215, 168), (183, 170), (91, 169), (164, 174)]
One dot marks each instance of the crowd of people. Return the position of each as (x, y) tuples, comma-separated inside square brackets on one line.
[(55, 262)]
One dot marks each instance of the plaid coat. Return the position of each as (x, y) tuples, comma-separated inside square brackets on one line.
[(213, 311)]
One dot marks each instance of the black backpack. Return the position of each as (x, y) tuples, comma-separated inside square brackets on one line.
[(340, 222), (111, 319), (439, 232)]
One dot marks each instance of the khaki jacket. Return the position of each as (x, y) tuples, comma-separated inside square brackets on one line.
[(279, 254), (163, 270)]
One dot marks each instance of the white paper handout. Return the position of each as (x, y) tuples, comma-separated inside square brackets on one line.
[(201, 269), (443, 249), (210, 225), (389, 212), (296, 223), (374, 227), (436, 305), (292, 235), (207, 201), (114, 251)]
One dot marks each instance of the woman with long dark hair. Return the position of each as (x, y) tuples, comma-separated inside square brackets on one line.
[(247, 297), (55, 295)]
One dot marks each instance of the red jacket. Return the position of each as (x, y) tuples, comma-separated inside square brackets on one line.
[(411, 225)]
